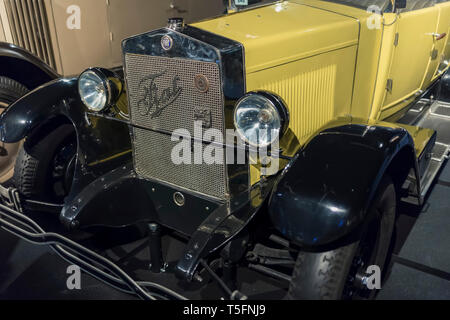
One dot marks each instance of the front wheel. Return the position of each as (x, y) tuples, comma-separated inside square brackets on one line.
[(340, 273), (45, 165)]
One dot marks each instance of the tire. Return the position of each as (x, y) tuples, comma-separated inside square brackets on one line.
[(34, 173), (332, 275), (10, 91)]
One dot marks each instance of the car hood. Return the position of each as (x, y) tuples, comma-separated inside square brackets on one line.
[(284, 32)]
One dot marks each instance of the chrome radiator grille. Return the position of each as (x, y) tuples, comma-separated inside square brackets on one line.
[(164, 97), (152, 152)]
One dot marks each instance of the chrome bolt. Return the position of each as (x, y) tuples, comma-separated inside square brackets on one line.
[(153, 227), (198, 278), (164, 267)]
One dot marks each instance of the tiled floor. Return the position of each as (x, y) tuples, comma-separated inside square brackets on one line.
[(423, 268)]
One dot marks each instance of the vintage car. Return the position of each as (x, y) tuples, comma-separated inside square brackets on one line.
[(336, 110), (41, 41)]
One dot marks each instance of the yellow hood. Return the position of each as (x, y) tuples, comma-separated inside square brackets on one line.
[(284, 32)]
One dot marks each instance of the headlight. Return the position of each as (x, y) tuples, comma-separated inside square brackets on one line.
[(260, 118), (99, 88)]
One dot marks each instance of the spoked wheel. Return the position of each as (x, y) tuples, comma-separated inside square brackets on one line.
[(342, 273), (45, 166)]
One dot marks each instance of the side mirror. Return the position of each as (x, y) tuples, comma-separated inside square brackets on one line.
[(400, 4)]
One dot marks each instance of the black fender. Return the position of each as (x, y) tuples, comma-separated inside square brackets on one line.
[(24, 67), (103, 140), (323, 195)]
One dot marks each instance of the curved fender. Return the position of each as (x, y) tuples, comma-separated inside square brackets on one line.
[(26, 114), (103, 142), (325, 191), (24, 67)]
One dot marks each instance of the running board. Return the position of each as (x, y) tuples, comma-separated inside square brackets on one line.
[(437, 118), (439, 156)]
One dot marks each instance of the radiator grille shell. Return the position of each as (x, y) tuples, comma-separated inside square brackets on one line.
[(152, 145)]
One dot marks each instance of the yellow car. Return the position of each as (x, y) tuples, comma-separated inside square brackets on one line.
[(277, 137)]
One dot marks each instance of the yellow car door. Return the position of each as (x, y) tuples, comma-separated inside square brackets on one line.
[(442, 41), (416, 26)]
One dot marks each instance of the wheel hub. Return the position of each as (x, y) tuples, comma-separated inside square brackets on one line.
[(63, 170)]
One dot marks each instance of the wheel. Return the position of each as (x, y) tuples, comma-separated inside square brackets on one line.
[(339, 274), (10, 91), (45, 165)]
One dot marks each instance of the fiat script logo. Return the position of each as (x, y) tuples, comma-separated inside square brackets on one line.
[(153, 99)]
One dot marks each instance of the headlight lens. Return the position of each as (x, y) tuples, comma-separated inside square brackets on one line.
[(98, 88), (261, 118)]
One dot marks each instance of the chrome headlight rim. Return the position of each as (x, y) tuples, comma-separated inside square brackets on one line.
[(276, 102), (111, 83)]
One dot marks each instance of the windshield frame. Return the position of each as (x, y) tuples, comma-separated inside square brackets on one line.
[(231, 6)]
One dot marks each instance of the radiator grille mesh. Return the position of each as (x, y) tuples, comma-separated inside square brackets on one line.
[(179, 114), (172, 105), (152, 154)]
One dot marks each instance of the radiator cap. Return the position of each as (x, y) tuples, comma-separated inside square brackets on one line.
[(175, 23)]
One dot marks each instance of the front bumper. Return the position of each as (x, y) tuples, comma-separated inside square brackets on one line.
[(120, 198), (89, 261), (10, 198)]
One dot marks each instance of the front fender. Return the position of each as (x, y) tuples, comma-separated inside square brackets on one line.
[(103, 141), (40, 105), (24, 67), (326, 190)]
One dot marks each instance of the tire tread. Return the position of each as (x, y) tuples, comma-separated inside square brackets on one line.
[(11, 90), (322, 276), (33, 162)]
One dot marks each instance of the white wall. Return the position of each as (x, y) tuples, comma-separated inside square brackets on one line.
[(5, 33)]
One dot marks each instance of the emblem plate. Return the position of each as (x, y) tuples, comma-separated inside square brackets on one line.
[(201, 83), (166, 42), (203, 115)]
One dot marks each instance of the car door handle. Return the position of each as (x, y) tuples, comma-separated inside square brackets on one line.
[(439, 36)]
